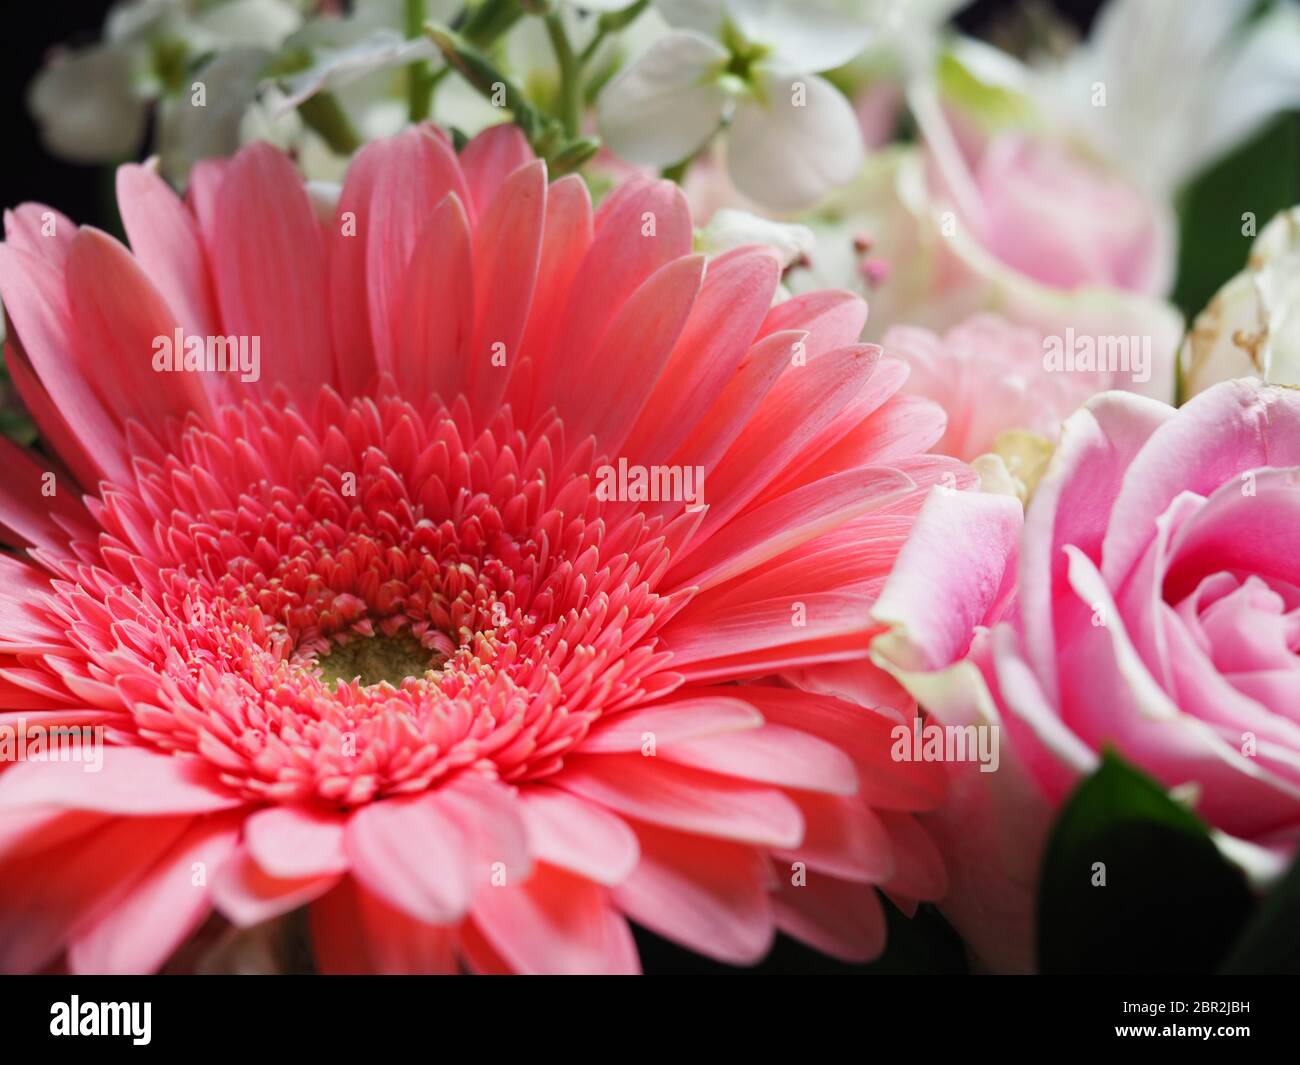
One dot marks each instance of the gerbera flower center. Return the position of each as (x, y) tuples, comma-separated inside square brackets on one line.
[(365, 601), (378, 660)]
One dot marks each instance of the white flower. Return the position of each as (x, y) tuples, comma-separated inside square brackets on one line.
[(730, 228), (187, 133), (1252, 326), (753, 65), (92, 103), (86, 105), (381, 49), (1184, 82)]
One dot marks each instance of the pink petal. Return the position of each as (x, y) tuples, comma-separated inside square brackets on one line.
[(838, 918), (27, 511), (723, 423), (165, 240), (269, 264), (865, 735), (162, 909), (955, 572), (507, 247), (40, 230), (1102, 439), (118, 314), (133, 781), (623, 368), (406, 175), (556, 923), (710, 896), (74, 885), (722, 325), (410, 853), (356, 932), (248, 896), (490, 158), (438, 307), (803, 402), (490, 821), (294, 843), (773, 754), (833, 319), (566, 236), (1237, 426), (919, 871), (669, 721), (35, 298), (715, 630), (843, 838), (654, 790), (766, 531), (618, 261), (576, 835)]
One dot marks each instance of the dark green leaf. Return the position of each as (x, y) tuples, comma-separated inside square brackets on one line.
[(1260, 179), (1170, 901)]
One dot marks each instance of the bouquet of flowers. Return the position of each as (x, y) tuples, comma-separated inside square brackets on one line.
[(576, 486)]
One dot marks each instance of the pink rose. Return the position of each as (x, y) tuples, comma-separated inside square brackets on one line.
[(1051, 215), (1021, 228), (989, 376), (1157, 613)]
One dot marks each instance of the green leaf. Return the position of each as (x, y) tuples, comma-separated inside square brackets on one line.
[(1271, 942), (1261, 178), (1170, 901)]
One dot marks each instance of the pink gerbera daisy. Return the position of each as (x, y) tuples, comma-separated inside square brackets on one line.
[(363, 631)]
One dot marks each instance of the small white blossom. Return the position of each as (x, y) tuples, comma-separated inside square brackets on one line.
[(751, 65), (730, 228), (92, 104)]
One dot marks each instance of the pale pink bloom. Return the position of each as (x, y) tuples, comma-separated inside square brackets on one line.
[(1054, 217), (984, 227), (545, 740), (988, 375), (1157, 613)]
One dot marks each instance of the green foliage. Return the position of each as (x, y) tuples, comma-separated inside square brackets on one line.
[(1261, 178), (1169, 902)]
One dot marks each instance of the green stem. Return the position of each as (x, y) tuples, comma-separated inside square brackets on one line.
[(677, 171), (419, 84), (592, 45), (611, 22), (325, 115), (570, 75)]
